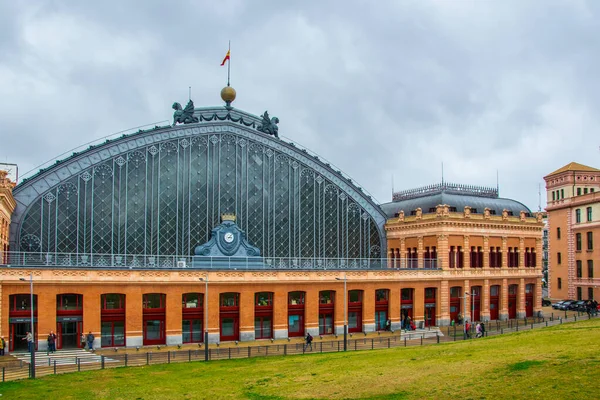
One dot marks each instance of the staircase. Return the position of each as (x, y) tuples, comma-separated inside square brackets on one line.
[(62, 357)]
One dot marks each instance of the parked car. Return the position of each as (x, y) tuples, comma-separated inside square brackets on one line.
[(566, 305), (579, 306), (546, 302), (556, 305)]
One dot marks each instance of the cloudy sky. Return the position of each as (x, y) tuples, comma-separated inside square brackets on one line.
[(380, 89)]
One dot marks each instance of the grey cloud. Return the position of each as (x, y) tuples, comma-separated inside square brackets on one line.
[(379, 90)]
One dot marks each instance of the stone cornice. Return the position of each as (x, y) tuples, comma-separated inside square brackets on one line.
[(11, 276)]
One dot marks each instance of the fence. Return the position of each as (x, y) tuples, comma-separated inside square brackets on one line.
[(20, 370)]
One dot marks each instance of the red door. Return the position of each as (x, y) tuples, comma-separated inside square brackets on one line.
[(512, 306), (230, 327), (430, 315), (494, 305), (529, 305), (454, 309)]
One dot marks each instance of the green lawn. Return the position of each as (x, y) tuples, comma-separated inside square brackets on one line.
[(561, 362)]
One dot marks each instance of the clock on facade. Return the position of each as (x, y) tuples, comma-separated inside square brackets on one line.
[(228, 237)]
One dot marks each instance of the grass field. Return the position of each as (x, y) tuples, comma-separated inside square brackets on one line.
[(561, 362)]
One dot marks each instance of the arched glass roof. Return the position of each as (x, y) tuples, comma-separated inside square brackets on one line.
[(161, 191)]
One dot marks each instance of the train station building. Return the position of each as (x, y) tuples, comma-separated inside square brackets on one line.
[(216, 224)]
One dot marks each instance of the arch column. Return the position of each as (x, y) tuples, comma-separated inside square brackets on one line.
[(280, 311), (505, 258), (246, 315), (485, 310), (521, 299), (443, 252), (486, 252), (173, 318), (466, 253), (394, 307), (521, 252), (504, 295), (402, 253), (420, 252), (443, 306)]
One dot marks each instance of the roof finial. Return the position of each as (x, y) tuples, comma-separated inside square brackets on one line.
[(442, 173)]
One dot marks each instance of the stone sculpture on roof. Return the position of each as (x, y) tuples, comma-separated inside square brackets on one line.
[(185, 115), (269, 125)]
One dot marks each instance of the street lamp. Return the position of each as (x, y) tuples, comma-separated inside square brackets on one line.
[(205, 317), (32, 350), (472, 307), (345, 311)]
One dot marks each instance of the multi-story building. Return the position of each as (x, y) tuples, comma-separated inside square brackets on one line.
[(216, 225), (7, 206), (573, 206)]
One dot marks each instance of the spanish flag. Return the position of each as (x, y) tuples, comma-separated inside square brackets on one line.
[(226, 58)]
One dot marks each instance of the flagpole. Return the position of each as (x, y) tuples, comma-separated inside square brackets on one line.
[(229, 63)]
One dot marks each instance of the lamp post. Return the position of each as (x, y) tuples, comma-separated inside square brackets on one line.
[(472, 307), (32, 352), (205, 317), (345, 311)]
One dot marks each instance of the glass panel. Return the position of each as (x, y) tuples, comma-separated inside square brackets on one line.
[(107, 335), (191, 300), (407, 294), (153, 330), (352, 320), (69, 302), (296, 298), (229, 299), (154, 300), (266, 327), (262, 190), (326, 297), (227, 327), (294, 323), (186, 332), (257, 328), (113, 301), (381, 295), (264, 299), (197, 330), (119, 333), (355, 296)]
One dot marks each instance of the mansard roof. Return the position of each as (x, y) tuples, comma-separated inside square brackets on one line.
[(454, 195)]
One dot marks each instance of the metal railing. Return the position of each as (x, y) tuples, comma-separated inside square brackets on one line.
[(370, 341), (144, 261)]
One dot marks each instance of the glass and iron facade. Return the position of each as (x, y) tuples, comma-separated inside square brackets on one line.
[(161, 192)]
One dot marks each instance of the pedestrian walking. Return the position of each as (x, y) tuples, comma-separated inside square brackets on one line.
[(51, 342), (2, 345), (29, 338), (82, 341), (309, 340), (467, 329), (478, 330), (90, 341)]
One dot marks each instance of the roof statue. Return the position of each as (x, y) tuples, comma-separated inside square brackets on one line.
[(185, 115), (269, 126)]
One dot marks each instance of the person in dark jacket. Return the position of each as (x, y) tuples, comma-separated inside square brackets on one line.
[(309, 340)]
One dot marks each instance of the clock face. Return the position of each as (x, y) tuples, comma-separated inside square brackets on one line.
[(228, 237)]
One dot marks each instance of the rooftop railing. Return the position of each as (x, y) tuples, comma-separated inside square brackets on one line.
[(144, 261)]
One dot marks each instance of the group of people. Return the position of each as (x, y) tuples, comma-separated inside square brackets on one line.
[(89, 339), (591, 307), (407, 324), (51, 341), (479, 329)]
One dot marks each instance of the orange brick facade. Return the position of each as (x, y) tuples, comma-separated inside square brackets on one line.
[(511, 291), (573, 206)]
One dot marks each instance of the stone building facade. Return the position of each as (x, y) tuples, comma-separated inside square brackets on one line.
[(108, 236), (573, 207)]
